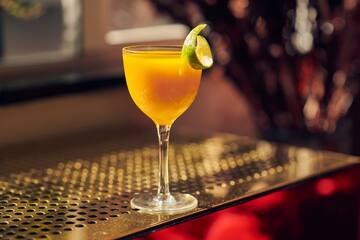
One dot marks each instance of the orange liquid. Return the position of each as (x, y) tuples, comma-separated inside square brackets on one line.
[(161, 83)]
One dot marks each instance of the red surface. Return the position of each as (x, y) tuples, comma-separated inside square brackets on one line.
[(314, 209)]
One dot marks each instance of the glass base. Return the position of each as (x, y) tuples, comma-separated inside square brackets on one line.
[(166, 204)]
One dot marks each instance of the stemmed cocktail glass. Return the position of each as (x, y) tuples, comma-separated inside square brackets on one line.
[(163, 84)]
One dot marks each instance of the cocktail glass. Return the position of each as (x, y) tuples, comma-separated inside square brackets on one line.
[(163, 85)]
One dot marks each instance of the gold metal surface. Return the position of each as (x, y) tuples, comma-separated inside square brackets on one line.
[(89, 198)]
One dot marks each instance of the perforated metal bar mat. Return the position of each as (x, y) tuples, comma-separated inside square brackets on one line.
[(89, 198)]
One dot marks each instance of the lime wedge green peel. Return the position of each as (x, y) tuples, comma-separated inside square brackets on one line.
[(196, 49)]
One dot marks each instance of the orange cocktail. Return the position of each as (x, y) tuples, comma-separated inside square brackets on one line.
[(161, 83)]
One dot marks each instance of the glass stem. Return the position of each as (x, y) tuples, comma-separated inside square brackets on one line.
[(163, 187)]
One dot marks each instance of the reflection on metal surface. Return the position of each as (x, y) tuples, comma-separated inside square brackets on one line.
[(89, 198)]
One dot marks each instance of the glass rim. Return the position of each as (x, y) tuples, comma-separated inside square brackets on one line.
[(140, 49)]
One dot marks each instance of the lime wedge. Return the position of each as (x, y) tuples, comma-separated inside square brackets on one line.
[(197, 50)]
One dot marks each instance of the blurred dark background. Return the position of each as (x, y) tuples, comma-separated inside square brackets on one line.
[(62, 73), (290, 69), (286, 71)]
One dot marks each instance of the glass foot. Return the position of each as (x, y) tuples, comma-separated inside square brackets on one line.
[(169, 204)]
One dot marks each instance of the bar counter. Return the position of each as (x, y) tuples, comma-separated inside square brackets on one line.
[(73, 188)]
